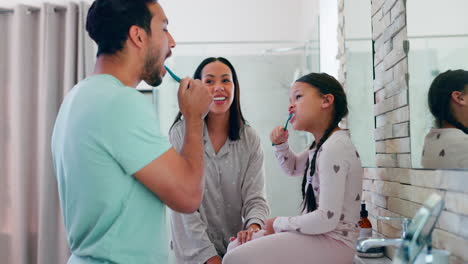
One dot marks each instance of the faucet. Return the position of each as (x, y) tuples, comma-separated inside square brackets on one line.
[(365, 244)]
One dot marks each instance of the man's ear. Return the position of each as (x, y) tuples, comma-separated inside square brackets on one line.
[(327, 100), (137, 36), (459, 98)]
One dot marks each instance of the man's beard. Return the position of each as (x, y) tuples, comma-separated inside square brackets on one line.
[(151, 71)]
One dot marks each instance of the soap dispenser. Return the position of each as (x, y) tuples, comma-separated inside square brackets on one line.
[(365, 226), (365, 232)]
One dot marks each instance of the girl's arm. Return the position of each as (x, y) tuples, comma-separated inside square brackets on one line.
[(291, 164)]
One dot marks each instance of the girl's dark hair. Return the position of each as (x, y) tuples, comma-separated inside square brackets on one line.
[(108, 22), (326, 84), (440, 94), (236, 119)]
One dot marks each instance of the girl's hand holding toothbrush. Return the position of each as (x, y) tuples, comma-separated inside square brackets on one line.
[(279, 135)]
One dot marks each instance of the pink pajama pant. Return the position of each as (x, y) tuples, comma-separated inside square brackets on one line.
[(291, 248)]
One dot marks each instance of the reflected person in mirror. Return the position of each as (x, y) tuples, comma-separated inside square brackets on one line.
[(234, 202), (326, 230), (446, 145)]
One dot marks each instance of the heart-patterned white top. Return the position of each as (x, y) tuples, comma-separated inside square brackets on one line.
[(445, 148), (337, 185)]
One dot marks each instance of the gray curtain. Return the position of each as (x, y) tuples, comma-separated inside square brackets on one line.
[(44, 52)]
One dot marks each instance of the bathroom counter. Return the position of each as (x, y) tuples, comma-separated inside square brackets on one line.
[(383, 260)]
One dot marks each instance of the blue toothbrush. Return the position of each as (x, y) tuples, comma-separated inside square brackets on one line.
[(287, 121), (175, 77), (286, 125)]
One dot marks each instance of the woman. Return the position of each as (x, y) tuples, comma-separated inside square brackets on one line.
[(234, 198), (446, 145), (326, 231)]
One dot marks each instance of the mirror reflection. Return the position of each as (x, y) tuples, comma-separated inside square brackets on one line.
[(446, 145), (436, 46), (266, 72), (359, 78)]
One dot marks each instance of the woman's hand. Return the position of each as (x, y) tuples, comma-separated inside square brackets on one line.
[(254, 227), (246, 235), (214, 260), (279, 135), (269, 226)]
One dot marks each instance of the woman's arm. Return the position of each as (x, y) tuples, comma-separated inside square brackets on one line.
[(189, 231), (190, 238), (255, 208)]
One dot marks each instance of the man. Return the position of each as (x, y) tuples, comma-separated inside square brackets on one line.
[(115, 171)]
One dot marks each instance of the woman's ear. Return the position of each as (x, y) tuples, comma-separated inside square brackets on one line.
[(460, 98), (327, 100)]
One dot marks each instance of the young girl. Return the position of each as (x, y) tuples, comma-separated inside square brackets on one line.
[(234, 198), (326, 231), (445, 147)]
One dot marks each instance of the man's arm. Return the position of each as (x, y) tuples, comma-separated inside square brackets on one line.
[(177, 179)]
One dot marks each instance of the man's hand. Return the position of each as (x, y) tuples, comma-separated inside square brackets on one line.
[(214, 260), (164, 174), (194, 99), (246, 235)]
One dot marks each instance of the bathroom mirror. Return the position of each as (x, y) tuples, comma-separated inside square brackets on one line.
[(267, 53), (436, 45), (266, 72), (270, 44), (420, 230), (359, 78)]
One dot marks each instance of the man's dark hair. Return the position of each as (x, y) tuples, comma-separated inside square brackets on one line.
[(109, 21)]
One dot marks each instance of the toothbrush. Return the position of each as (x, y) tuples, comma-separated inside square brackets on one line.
[(175, 77), (287, 121), (286, 125)]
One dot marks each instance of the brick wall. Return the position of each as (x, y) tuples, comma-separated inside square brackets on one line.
[(400, 192), (394, 189), (341, 43)]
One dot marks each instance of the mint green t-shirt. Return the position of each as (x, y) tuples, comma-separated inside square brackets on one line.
[(104, 133)]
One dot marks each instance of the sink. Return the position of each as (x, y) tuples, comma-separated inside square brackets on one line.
[(382, 260)]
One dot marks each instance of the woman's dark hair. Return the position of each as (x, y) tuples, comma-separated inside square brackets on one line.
[(440, 95), (236, 119), (108, 22), (326, 84)]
